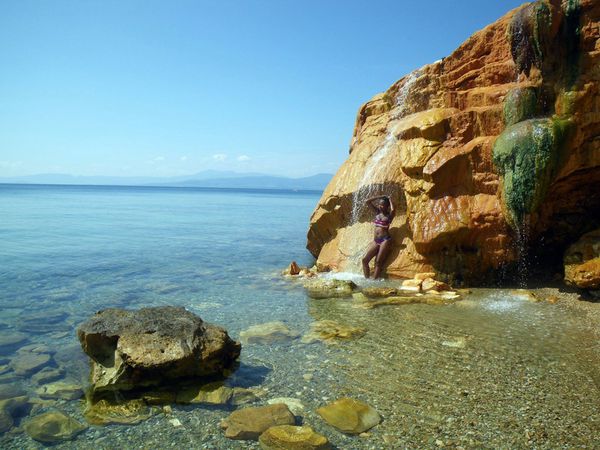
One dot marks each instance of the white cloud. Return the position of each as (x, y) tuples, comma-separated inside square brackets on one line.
[(243, 158), (219, 156), (183, 158)]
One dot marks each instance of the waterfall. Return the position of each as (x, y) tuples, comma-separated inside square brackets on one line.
[(375, 165)]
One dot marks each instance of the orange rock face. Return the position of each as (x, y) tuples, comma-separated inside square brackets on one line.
[(428, 142)]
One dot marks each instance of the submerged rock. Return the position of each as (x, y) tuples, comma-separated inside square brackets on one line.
[(60, 390), (125, 412), (289, 437), (329, 288), (10, 341), (379, 292), (349, 415), (329, 330), (250, 423), (153, 346), (28, 363), (294, 404), (267, 333), (53, 427)]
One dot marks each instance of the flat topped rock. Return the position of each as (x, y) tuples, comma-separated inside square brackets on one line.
[(149, 346), (267, 333), (329, 288), (291, 437), (250, 423), (53, 426), (349, 415)]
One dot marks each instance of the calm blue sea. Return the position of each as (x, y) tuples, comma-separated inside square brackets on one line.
[(78, 249)]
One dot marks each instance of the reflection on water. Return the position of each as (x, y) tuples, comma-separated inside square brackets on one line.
[(493, 370)]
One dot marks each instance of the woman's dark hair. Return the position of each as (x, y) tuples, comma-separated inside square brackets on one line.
[(386, 200)]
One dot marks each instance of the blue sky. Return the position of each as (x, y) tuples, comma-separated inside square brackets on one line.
[(175, 87)]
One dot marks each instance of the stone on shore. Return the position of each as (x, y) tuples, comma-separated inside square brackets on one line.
[(152, 347), (329, 330), (53, 427), (290, 437), (349, 415), (379, 292), (329, 288), (429, 284), (267, 333), (250, 423)]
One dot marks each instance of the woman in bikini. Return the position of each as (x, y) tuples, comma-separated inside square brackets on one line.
[(382, 242)]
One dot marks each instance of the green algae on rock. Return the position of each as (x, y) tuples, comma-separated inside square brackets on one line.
[(520, 104), (127, 412), (528, 155)]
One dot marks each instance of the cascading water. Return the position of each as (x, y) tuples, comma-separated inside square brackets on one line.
[(375, 167)]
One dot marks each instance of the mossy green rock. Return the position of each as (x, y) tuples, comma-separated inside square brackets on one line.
[(350, 416), (128, 412), (329, 288), (520, 104), (528, 155), (52, 427), (290, 437)]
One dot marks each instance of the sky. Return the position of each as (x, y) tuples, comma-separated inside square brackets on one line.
[(170, 88)]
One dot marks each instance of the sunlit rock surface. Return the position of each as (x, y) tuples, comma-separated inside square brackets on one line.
[(582, 262), (153, 346), (490, 147)]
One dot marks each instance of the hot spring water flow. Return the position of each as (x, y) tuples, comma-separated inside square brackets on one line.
[(376, 165)]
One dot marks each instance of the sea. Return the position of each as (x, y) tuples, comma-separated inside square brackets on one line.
[(494, 369)]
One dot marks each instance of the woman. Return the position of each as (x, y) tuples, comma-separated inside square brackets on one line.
[(382, 242)]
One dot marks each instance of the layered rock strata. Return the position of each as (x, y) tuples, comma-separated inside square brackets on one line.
[(488, 151)]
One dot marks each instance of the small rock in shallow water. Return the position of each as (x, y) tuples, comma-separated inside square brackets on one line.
[(52, 427), (267, 333), (10, 341), (328, 331), (129, 412), (28, 363), (379, 292), (47, 375), (350, 416), (63, 390), (6, 422), (290, 437), (250, 423), (295, 405), (329, 288)]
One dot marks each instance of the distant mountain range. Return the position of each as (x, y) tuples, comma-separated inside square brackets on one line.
[(207, 178)]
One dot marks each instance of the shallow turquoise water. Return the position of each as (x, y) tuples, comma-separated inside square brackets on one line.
[(494, 370)]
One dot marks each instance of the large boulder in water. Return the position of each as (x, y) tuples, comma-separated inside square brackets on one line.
[(153, 346), (484, 152)]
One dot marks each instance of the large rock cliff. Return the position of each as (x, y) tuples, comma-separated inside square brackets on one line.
[(491, 155)]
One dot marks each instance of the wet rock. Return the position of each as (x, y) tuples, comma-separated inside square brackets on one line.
[(429, 284), (63, 390), (267, 333), (10, 341), (211, 393), (411, 285), (329, 288), (10, 391), (582, 262), (47, 375), (28, 363), (53, 427), (329, 330), (127, 412), (36, 348), (350, 416), (294, 404), (293, 269), (152, 347), (424, 275), (160, 397), (250, 423), (289, 437), (242, 396), (379, 292)]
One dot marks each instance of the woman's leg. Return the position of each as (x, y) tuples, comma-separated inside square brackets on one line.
[(384, 249), (371, 252)]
